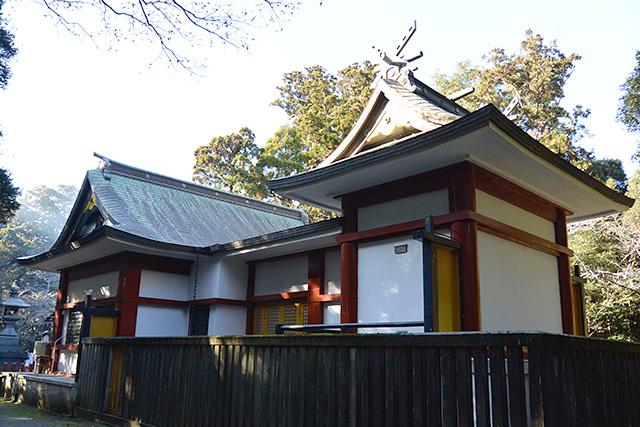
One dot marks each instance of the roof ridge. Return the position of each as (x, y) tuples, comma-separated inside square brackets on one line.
[(111, 166)]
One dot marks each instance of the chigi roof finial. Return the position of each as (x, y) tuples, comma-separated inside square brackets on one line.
[(398, 69)]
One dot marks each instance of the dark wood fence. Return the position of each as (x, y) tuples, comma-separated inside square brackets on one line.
[(458, 379)]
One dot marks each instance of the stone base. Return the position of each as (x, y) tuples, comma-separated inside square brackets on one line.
[(51, 393)]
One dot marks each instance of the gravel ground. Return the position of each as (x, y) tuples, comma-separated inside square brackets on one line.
[(18, 415)]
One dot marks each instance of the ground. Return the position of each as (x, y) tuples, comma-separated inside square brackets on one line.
[(18, 415)]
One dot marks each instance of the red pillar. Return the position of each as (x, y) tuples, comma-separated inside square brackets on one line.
[(128, 292), (58, 319), (315, 285), (462, 197), (349, 283), (564, 275)]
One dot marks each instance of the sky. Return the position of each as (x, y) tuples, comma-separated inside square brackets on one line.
[(69, 97)]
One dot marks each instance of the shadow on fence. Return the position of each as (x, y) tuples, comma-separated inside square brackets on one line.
[(452, 379)]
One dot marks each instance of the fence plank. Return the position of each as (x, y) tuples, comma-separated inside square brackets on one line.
[(481, 383), (517, 405), (499, 408), (463, 386)]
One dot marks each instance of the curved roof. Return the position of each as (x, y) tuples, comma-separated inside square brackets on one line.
[(155, 211), (485, 137)]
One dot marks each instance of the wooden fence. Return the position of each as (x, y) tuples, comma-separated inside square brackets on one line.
[(457, 379)]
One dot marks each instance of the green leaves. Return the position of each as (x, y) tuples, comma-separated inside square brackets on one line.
[(324, 107), (229, 163), (629, 107), (535, 78)]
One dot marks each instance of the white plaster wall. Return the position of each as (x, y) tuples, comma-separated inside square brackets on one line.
[(220, 277), (519, 287), (156, 284), (162, 321), (233, 278), (403, 210), (285, 275), (68, 361), (390, 285), (227, 320), (208, 270), (332, 313), (332, 272), (514, 216), (99, 287)]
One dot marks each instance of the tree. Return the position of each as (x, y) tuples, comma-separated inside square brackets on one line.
[(534, 78), (229, 163), (534, 81), (8, 197), (172, 25), (629, 107), (34, 228), (324, 107), (8, 192), (7, 51), (608, 252)]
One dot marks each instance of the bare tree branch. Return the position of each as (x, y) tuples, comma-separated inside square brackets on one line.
[(172, 25)]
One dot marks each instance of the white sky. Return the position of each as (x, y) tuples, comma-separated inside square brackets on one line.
[(68, 98)]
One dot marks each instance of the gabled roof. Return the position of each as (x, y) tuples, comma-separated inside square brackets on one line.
[(394, 112), (154, 211), (485, 137)]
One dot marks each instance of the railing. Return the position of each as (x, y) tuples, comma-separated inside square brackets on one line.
[(343, 328), (461, 379)]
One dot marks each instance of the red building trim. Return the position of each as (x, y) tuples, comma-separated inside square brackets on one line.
[(521, 237), (251, 286), (128, 293), (58, 318), (512, 193), (564, 273), (462, 197), (349, 282)]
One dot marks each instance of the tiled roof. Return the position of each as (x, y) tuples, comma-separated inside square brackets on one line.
[(179, 212)]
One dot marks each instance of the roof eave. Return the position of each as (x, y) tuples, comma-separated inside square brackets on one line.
[(473, 121)]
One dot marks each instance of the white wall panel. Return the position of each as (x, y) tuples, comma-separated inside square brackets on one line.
[(403, 210), (332, 313), (227, 320), (156, 284), (514, 216), (99, 287), (390, 285), (284, 275), (162, 321), (519, 287), (67, 361), (332, 272)]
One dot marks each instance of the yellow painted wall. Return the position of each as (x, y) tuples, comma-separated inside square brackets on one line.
[(102, 326), (448, 291)]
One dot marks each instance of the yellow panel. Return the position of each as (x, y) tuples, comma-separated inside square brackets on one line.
[(448, 292), (102, 326)]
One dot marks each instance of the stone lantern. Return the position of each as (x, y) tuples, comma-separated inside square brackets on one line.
[(10, 351)]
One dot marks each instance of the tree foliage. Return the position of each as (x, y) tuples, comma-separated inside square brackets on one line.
[(172, 25), (7, 51), (323, 108), (229, 163), (629, 107), (608, 251), (534, 80), (34, 228), (8, 197)]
